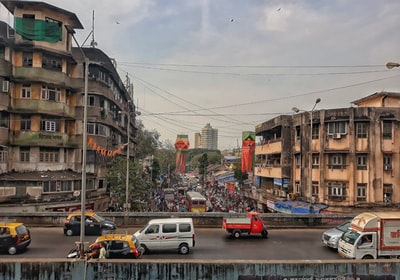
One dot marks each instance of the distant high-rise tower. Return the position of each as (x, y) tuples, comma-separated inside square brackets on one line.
[(197, 140), (209, 138)]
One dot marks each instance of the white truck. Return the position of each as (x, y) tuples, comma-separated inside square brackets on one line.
[(372, 235)]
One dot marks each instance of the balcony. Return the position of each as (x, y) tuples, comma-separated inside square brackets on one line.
[(42, 75), (43, 107), (265, 170), (41, 138), (269, 148)]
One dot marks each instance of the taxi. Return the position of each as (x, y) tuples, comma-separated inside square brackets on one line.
[(15, 237), (94, 224), (121, 246)]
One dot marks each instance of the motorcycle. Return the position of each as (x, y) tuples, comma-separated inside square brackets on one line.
[(75, 253)]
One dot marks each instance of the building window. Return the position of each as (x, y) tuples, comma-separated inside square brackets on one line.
[(24, 154), (315, 188), (49, 186), (4, 119), (2, 52), (26, 91), (91, 101), (49, 155), (337, 161), (51, 62), (361, 192), (50, 93), (25, 123), (387, 130), (387, 162), (298, 187), (387, 193), (98, 129), (297, 133), (337, 190), (297, 159), (3, 154), (361, 130), (315, 161), (315, 131), (66, 186), (50, 125), (361, 162), (337, 128), (27, 59)]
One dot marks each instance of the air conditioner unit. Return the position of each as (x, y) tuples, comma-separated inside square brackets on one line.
[(6, 86), (337, 136)]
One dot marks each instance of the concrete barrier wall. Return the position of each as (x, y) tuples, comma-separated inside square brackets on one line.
[(208, 219), (51, 269)]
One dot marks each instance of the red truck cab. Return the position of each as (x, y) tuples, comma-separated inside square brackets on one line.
[(253, 224)]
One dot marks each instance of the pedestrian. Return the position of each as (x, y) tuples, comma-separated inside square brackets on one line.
[(103, 251)]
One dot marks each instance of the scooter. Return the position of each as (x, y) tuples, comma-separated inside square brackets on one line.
[(75, 253)]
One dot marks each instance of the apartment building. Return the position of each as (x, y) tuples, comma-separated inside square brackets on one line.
[(344, 158), (209, 137), (42, 108)]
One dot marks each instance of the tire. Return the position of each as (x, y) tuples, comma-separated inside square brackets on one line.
[(12, 250), (236, 234), (183, 249), (143, 249), (264, 233), (367, 257), (69, 232), (140, 252)]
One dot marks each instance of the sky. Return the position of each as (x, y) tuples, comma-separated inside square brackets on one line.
[(236, 64)]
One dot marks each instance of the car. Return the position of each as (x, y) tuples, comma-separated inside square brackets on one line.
[(94, 224), (15, 237), (121, 246), (331, 237)]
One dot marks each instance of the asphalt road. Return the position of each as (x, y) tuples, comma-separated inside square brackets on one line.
[(211, 244)]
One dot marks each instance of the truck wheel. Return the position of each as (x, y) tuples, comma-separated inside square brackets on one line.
[(367, 257), (236, 234), (264, 234)]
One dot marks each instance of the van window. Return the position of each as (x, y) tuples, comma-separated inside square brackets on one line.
[(168, 228), (152, 229), (184, 228)]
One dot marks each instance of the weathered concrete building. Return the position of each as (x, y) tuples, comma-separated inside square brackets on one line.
[(42, 107), (339, 157)]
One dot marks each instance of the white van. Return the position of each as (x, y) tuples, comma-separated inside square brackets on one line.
[(167, 234)]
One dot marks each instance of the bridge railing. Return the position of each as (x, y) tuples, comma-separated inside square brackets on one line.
[(208, 219)]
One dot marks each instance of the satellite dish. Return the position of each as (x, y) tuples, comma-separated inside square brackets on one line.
[(77, 193)]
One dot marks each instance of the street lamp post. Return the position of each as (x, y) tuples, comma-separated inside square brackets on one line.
[(311, 146), (127, 205), (71, 31), (128, 113), (296, 110)]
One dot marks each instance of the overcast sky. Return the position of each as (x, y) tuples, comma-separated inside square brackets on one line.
[(235, 64)]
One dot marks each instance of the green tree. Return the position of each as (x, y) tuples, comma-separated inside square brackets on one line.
[(239, 176), (203, 164), (146, 142), (138, 187)]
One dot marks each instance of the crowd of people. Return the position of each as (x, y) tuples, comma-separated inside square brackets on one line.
[(219, 197)]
